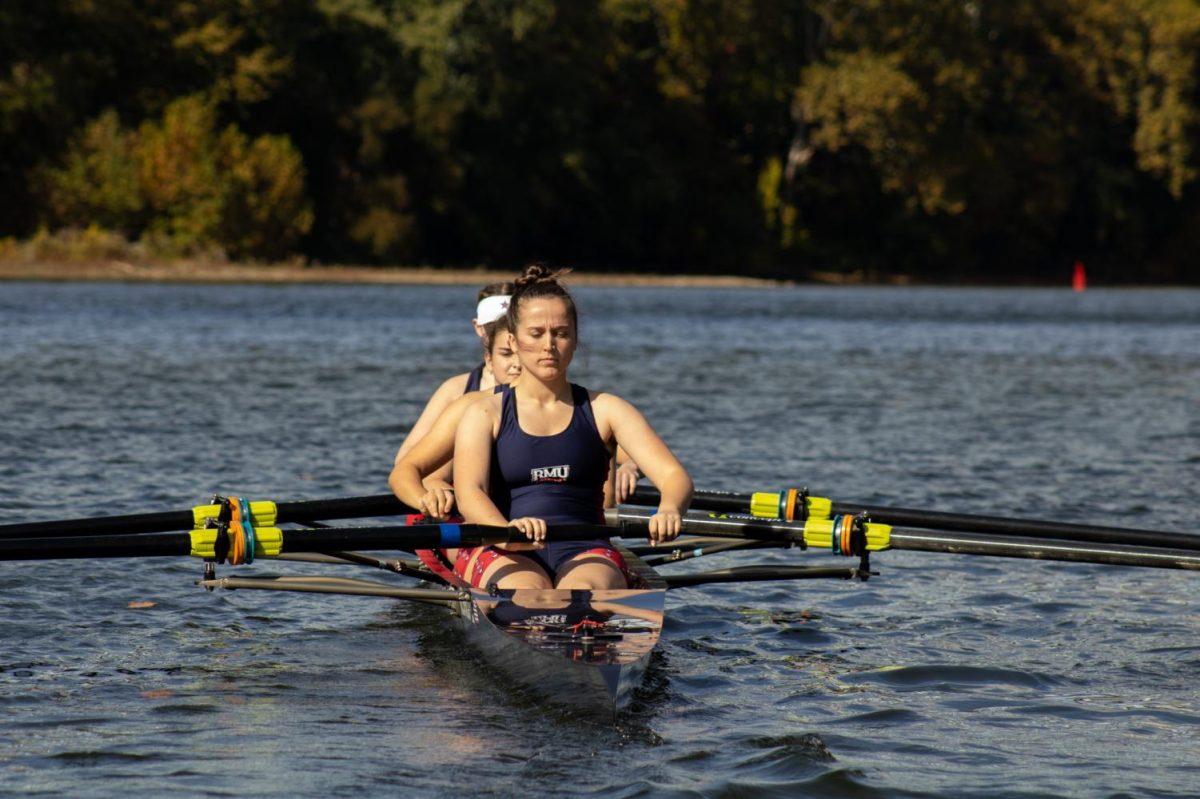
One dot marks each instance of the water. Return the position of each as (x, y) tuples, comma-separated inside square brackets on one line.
[(945, 676)]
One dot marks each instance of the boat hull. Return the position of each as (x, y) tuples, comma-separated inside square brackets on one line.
[(581, 649)]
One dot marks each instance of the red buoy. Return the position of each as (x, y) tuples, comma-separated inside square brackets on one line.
[(1079, 279)]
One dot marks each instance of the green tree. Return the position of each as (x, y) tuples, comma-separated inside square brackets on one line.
[(184, 184), (99, 181)]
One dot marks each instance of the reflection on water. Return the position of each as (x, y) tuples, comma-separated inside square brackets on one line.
[(944, 676), (593, 627)]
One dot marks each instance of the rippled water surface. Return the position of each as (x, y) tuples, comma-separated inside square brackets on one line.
[(945, 676)]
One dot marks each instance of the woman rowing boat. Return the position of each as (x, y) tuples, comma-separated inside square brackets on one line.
[(543, 449), (421, 476), (491, 304)]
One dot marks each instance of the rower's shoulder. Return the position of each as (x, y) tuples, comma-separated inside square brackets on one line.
[(470, 398), (607, 401), (453, 386), (458, 406), (485, 403)]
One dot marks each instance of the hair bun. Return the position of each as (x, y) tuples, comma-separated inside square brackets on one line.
[(538, 274), (539, 281)]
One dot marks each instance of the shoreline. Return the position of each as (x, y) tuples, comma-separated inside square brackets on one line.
[(115, 271)]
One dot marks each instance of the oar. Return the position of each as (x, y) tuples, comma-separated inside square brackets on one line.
[(301, 511), (755, 574), (768, 505), (273, 541), (814, 534), (334, 585)]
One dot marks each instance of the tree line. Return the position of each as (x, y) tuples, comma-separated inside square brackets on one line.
[(960, 141)]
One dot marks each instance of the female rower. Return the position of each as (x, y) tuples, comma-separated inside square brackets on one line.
[(544, 448), (421, 476), (491, 304), (421, 473)]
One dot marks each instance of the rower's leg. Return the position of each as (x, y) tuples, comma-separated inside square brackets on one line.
[(588, 572), (509, 570)]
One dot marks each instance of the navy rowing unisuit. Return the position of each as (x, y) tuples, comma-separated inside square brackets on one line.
[(559, 478), (473, 378)]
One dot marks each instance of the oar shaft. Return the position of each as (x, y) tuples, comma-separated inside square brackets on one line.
[(148, 545), (310, 510), (754, 574), (426, 536), (330, 539), (959, 543), (333, 585), (299, 511), (1032, 528), (725, 502), (633, 521), (101, 525)]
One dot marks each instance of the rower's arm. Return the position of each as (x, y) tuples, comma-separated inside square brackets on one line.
[(655, 459), (442, 478), (426, 465), (446, 393), (473, 462), (421, 478), (407, 480), (625, 479)]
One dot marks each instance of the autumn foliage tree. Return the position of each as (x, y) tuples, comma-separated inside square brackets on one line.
[(940, 139), (183, 184)]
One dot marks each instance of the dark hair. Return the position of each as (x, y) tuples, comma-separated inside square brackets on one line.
[(493, 289), (539, 280), (490, 330)]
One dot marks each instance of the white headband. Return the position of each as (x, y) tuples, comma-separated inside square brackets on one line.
[(492, 308)]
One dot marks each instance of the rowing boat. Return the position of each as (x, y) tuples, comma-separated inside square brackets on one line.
[(583, 649)]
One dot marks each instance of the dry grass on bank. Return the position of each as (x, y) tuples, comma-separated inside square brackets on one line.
[(96, 255), (208, 272)]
